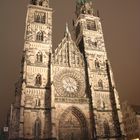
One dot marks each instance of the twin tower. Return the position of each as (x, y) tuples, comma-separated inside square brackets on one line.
[(69, 94)]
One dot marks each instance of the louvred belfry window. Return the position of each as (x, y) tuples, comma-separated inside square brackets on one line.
[(91, 25), (40, 17)]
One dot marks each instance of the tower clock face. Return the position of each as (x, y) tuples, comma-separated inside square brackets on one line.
[(69, 84)]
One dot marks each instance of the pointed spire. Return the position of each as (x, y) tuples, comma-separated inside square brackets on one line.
[(67, 32)]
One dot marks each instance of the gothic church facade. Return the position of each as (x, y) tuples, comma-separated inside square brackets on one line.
[(69, 94)]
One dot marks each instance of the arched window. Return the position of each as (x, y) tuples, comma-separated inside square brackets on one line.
[(97, 64), (36, 17), (106, 129), (37, 129), (40, 3), (38, 81), (37, 102), (39, 57), (40, 36), (95, 43), (100, 84)]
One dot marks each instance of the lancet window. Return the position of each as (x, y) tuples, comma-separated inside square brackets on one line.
[(97, 64), (37, 102), (39, 57), (100, 84), (37, 129), (38, 80), (40, 36), (106, 129)]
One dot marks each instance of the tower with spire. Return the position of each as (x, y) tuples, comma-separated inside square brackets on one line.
[(69, 94)]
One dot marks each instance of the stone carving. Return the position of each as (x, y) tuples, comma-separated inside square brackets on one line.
[(72, 125), (35, 33), (102, 101), (38, 80), (100, 62), (97, 64), (100, 82), (44, 3), (95, 44), (35, 98), (105, 127), (71, 100), (84, 7), (30, 32), (69, 84), (39, 57), (36, 57), (37, 102), (30, 55), (67, 53)]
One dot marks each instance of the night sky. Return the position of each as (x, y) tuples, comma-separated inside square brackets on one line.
[(121, 27)]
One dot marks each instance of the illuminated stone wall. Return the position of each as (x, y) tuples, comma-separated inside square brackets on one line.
[(69, 94)]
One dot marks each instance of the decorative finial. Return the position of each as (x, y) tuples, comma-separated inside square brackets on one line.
[(84, 7), (82, 1), (67, 28), (44, 3), (67, 33)]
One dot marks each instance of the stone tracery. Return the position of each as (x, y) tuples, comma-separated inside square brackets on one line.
[(72, 125)]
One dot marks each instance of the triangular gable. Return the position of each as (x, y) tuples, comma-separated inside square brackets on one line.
[(67, 53)]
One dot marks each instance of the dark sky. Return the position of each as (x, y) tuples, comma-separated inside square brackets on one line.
[(121, 27)]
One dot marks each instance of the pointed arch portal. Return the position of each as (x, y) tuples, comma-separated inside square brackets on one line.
[(73, 125)]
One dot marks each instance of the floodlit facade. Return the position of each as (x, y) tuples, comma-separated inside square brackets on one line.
[(69, 94)]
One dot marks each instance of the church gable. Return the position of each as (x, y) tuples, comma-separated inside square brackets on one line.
[(67, 53)]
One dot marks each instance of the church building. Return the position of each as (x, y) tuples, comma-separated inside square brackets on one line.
[(68, 94)]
